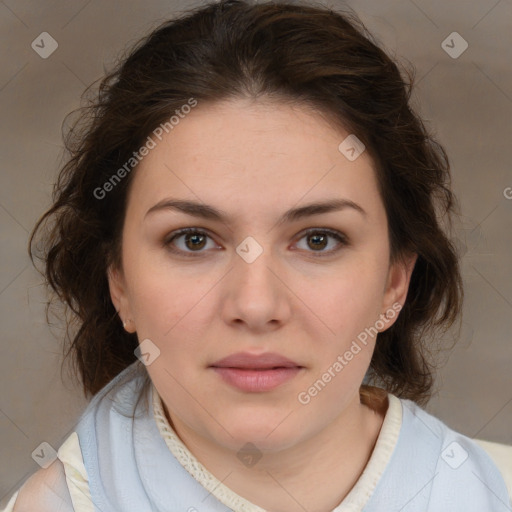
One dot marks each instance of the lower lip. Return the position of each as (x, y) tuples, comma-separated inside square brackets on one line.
[(257, 380)]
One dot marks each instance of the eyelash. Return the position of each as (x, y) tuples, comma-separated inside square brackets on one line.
[(340, 237)]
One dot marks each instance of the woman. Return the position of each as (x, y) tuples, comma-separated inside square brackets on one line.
[(248, 233)]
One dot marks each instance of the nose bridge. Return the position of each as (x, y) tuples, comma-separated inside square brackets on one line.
[(256, 296), (253, 259)]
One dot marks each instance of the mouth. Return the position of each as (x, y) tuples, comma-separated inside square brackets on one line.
[(257, 379), (251, 373)]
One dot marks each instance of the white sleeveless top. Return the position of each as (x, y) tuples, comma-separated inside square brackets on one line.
[(413, 467)]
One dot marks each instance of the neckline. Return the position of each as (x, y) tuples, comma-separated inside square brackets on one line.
[(355, 500), (363, 489)]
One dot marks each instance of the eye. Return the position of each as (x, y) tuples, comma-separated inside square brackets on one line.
[(194, 240), (318, 239)]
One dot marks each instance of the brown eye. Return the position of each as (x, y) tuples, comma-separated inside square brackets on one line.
[(197, 241), (194, 240), (319, 239)]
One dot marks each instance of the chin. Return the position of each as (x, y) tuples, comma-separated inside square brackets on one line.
[(268, 434)]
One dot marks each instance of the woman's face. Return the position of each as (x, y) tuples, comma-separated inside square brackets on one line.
[(255, 281)]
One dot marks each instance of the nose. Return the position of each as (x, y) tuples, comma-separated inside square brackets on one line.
[(257, 296)]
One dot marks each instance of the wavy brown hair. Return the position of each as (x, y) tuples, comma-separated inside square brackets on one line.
[(298, 53)]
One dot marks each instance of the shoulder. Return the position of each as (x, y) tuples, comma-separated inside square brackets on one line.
[(501, 454), (45, 491), (63, 486), (486, 460)]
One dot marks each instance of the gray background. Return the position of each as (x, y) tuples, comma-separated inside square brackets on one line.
[(466, 101)]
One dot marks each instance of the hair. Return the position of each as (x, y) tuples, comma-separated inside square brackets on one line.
[(291, 53)]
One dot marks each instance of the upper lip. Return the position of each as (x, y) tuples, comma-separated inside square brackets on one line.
[(262, 361)]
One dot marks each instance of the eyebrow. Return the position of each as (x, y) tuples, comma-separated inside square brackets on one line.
[(205, 211)]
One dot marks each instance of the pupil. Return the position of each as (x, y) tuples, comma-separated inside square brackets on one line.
[(316, 237), (194, 238)]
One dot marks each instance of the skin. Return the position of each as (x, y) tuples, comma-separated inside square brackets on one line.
[(238, 156)]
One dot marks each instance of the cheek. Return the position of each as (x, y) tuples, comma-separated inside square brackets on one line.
[(349, 300), (166, 311), (160, 294), (169, 309)]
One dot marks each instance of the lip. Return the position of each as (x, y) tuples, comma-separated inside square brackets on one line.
[(256, 373), (257, 381), (245, 360)]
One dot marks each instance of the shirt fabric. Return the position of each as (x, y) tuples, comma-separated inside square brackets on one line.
[(123, 456)]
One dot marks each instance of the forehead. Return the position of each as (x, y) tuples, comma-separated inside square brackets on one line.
[(244, 154)]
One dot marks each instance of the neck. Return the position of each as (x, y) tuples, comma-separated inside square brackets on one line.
[(315, 475)]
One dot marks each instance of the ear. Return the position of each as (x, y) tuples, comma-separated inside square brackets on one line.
[(397, 286), (119, 296)]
